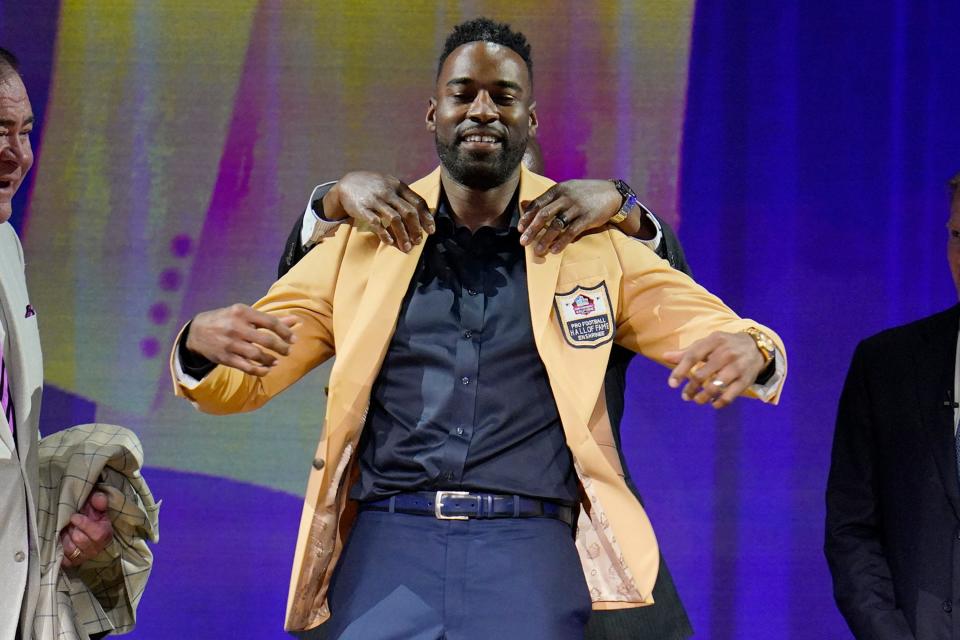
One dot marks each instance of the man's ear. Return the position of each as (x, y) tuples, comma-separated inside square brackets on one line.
[(432, 115), (533, 119)]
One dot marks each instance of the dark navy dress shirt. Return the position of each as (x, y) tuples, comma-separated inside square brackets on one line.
[(462, 401)]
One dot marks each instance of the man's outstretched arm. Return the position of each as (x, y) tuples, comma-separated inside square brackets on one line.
[(715, 354)]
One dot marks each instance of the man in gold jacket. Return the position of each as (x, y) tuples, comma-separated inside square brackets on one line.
[(362, 301)]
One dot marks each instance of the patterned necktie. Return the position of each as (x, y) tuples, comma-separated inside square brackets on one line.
[(6, 402)]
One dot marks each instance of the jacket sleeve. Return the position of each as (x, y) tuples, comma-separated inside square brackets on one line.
[(662, 309), (671, 250), (862, 582), (294, 249), (306, 292)]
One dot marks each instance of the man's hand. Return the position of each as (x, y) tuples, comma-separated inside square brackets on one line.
[(581, 204), (397, 214), (237, 336), (718, 368), (88, 533)]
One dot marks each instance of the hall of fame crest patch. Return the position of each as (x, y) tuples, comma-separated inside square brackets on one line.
[(584, 316)]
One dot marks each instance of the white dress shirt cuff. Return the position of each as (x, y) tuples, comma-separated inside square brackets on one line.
[(767, 390), (311, 220), (653, 243)]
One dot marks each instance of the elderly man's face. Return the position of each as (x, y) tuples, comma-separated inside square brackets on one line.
[(483, 114), (953, 240), (16, 156)]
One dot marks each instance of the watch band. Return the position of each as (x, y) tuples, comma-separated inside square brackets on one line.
[(765, 345), (630, 200)]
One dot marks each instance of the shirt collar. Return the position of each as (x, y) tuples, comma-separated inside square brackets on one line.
[(445, 221)]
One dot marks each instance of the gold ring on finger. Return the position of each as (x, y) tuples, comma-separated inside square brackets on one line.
[(75, 555)]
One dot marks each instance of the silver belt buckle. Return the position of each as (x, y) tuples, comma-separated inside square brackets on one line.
[(438, 504)]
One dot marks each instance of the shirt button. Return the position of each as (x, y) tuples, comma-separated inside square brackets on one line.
[(947, 607), (472, 292), (19, 556), (465, 380), (318, 463), (468, 334)]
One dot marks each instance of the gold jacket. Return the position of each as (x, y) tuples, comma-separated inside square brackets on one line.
[(347, 294)]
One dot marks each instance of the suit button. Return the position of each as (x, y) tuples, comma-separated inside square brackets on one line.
[(947, 606), (19, 556), (318, 463)]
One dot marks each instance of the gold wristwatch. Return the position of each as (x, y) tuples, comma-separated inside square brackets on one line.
[(765, 345)]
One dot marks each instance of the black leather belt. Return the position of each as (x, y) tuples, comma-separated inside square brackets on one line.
[(463, 505)]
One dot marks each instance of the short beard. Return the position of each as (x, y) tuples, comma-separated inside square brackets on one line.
[(479, 175)]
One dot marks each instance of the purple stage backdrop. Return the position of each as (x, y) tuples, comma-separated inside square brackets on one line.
[(802, 150)]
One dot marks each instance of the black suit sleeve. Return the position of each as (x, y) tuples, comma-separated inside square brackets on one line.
[(862, 582), (293, 250), (192, 364), (671, 250)]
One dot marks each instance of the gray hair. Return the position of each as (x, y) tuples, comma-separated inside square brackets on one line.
[(9, 65)]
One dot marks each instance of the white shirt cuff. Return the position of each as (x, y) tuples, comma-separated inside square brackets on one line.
[(311, 219), (767, 390), (653, 243), (182, 377)]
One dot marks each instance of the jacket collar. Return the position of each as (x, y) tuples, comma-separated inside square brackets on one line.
[(365, 344)]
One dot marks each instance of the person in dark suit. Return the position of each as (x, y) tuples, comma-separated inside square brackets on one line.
[(594, 202), (893, 495)]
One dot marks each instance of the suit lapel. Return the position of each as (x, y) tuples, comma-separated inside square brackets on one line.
[(365, 345), (8, 335), (571, 370), (541, 272), (935, 364)]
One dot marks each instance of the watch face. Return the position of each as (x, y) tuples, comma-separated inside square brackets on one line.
[(763, 340)]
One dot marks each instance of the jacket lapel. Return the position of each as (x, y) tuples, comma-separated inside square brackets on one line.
[(8, 335), (570, 369), (935, 364), (365, 345)]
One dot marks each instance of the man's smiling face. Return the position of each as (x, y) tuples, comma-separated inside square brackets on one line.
[(483, 114), (16, 156)]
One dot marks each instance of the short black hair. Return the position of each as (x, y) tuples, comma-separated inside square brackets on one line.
[(486, 30), (954, 185)]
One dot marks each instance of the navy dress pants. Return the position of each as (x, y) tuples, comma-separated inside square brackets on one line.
[(411, 577)]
